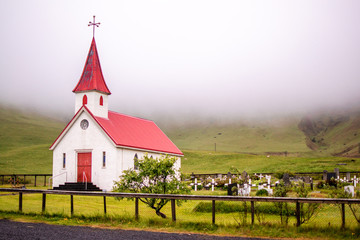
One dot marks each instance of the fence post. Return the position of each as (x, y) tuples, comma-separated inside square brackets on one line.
[(213, 211), (297, 214), (72, 204), (173, 211), (35, 182), (43, 202), (20, 201), (136, 209), (104, 204), (24, 180), (252, 212), (343, 215), (14, 180), (44, 180)]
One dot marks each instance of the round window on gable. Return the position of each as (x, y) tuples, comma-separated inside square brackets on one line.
[(84, 124)]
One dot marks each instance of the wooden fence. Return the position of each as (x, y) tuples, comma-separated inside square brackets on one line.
[(15, 177), (173, 197)]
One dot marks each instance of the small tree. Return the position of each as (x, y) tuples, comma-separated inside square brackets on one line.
[(307, 210), (281, 191), (156, 176)]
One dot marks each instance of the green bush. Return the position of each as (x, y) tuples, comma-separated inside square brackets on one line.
[(262, 192), (320, 185), (224, 207)]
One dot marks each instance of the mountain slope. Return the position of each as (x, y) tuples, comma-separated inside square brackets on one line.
[(25, 139), (335, 134), (241, 137)]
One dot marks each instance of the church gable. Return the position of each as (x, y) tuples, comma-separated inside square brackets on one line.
[(81, 125)]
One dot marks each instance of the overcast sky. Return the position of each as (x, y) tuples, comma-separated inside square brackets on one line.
[(211, 58)]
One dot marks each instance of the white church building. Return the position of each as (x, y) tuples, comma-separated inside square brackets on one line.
[(97, 145)]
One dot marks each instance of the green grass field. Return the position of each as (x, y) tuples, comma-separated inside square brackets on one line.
[(25, 139), (89, 211), (221, 162)]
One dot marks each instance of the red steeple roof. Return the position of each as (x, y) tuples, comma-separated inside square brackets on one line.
[(92, 77)]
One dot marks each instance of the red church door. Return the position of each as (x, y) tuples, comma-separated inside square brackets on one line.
[(84, 167)]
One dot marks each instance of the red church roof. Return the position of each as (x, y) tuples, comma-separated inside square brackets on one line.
[(130, 132), (92, 77), (135, 132)]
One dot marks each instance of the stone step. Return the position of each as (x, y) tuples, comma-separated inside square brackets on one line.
[(75, 186)]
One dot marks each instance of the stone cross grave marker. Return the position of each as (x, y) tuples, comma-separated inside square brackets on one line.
[(212, 184), (269, 181), (196, 184)]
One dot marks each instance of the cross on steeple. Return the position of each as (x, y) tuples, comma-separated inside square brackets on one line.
[(93, 24)]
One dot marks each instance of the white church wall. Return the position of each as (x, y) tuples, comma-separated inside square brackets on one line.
[(93, 140), (93, 103)]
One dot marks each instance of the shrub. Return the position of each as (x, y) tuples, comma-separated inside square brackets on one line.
[(320, 185), (262, 192)]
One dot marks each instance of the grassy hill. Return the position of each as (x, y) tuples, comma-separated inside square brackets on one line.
[(336, 134), (310, 144), (25, 139), (241, 137)]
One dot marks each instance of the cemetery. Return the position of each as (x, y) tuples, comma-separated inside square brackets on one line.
[(98, 147)]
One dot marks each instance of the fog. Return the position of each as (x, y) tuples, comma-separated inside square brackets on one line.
[(184, 59)]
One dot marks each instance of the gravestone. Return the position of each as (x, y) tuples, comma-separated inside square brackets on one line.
[(350, 190), (269, 181), (230, 189), (348, 176), (325, 175), (330, 175), (244, 175), (286, 179), (213, 183), (245, 191), (196, 184), (270, 191), (337, 173), (307, 179)]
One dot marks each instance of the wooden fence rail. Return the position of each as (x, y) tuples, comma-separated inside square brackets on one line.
[(174, 197), (15, 177)]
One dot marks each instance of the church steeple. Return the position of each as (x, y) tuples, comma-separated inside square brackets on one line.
[(91, 89), (92, 78)]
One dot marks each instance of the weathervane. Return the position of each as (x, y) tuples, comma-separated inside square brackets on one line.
[(94, 24)]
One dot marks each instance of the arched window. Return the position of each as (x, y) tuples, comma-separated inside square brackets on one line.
[(84, 100), (136, 162), (104, 159), (64, 160), (101, 101)]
